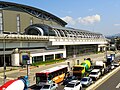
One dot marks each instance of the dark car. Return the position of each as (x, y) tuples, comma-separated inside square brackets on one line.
[(68, 79)]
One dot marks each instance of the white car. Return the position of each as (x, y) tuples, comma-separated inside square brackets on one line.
[(95, 74), (116, 64), (73, 85), (112, 66), (50, 87), (86, 81)]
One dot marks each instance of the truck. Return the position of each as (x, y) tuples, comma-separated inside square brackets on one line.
[(21, 83), (101, 66), (109, 60), (82, 70), (104, 66)]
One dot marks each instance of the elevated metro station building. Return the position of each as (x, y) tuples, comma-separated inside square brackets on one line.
[(25, 30)]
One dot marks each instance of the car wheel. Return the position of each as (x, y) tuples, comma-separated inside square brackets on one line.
[(80, 88), (96, 78), (88, 84)]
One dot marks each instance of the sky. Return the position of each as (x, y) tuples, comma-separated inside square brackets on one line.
[(102, 16)]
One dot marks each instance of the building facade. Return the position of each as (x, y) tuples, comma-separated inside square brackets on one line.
[(31, 33)]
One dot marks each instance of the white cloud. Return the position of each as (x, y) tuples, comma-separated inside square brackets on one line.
[(69, 20), (89, 19), (116, 24), (82, 20)]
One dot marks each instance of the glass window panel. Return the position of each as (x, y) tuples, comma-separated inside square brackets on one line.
[(0, 14), (1, 28), (0, 20)]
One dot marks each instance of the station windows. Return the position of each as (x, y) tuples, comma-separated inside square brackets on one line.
[(57, 56), (1, 22), (49, 57), (18, 23), (37, 59)]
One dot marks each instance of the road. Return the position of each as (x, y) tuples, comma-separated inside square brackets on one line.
[(113, 83)]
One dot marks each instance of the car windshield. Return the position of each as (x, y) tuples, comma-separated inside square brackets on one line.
[(115, 63), (93, 73), (70, 85), (84, 79), (46, 87)]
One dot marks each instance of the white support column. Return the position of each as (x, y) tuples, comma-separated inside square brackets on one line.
[(64, 53), (15, 59), (43, 57), (54, 56)]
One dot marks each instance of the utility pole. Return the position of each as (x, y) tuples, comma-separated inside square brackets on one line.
[(4, 46)]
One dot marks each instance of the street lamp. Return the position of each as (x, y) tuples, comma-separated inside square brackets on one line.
[(4, 46), (106, 52)]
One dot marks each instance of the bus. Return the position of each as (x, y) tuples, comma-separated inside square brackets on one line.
[(54, 74)]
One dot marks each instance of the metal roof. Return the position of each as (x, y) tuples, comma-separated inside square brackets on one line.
[(64, 28), (4, 4)]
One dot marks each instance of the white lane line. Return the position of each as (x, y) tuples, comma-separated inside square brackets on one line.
[(118, 86)]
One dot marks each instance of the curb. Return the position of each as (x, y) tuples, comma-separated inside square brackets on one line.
[(102, 80)]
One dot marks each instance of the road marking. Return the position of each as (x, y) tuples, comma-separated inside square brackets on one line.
[(118, 86)]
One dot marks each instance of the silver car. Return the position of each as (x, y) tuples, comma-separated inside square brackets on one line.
[(49, 87), (86, 81)]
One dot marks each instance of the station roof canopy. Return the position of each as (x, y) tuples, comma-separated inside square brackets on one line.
[(32, 10)]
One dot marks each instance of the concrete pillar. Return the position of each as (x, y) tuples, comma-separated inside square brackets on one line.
[(43, 57), (64, 52), (15, 59), (98, 49), (54, 57), (104, 48)]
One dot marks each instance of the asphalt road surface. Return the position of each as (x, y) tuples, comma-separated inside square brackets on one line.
[(113, 83)]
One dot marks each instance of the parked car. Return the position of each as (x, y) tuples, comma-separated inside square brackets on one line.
[(68, 79), (95, 74), (86, 81), (112, 66), (50, 87), (73, 85), (116, 64)]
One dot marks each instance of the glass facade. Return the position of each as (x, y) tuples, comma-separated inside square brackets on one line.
[(49, 57), (80, 49), (37, 59), (57, 56)]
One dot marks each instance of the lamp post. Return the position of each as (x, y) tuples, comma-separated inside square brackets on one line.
[(106, 53), (4, 46), (115, 43)]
